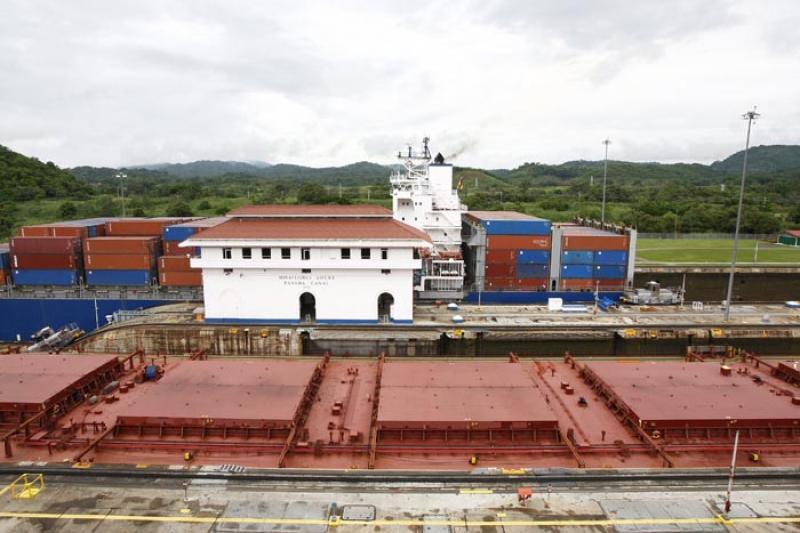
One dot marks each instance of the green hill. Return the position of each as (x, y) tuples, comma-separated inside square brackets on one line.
[(762, 159), (26, 178)]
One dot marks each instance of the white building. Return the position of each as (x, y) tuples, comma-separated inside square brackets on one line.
[(314, 263), (424, 197)]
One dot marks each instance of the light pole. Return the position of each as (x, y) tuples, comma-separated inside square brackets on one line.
[(121, 176), (605, 175), (750, 116)]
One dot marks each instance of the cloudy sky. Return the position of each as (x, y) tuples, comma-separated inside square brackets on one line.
[(325, 83)]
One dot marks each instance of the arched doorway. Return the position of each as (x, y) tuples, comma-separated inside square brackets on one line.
[(308, 307), (385, 303)]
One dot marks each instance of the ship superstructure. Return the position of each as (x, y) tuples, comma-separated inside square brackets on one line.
[(423, 196)]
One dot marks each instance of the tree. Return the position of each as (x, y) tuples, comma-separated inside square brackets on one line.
[(179, 209), (312, 193), (139, 212), (68, 210), (7, 217), (204, 205)]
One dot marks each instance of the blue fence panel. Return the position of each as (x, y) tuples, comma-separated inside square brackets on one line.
[(577, 257), (60, 277), (576, 271), (517, 227), (119, 277), (533, 256), (610, 257), (532, 270), (178, 233), (609, 271)]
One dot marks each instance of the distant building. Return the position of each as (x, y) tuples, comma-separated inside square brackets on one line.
[(790, 237), (312, 263)]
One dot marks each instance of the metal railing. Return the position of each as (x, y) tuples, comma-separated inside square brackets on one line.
[(717, 236)]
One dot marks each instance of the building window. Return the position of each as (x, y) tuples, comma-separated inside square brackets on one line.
[(345, 253), (306, 271), (226, 253), (416, 253), (384, 253), (286, 253), (365, 253), (386, 271), (266, 253), (305, 254), (247, 253), (227, 271)]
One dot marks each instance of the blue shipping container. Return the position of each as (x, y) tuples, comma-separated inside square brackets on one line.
[(533, 256), (517, 227), (5, 260), (576, 271), (119, 277), (575, 257), (178, 233), (532, 270), (611, 257), (45, 277), (609, 271)]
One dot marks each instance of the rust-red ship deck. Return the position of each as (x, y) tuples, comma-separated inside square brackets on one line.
[(342, 413)]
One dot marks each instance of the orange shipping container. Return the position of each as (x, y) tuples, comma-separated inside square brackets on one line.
[(34, 231), (501, 257), (118, 262), (121, 245), (140, 226), (611, 284), (171, 248), (4, 277), (174, 263), (181, 279), (533, 283), (502, 270), (577, 284), (70, 231), (518, 242), (595, 242)]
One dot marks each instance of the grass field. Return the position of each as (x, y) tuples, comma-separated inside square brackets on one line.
[(711, 251)]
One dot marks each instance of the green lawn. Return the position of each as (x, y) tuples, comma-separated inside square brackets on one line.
[(695, 251)]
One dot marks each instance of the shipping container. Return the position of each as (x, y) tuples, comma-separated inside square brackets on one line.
[(533, 283), (119, 261), (533, 256), (119, 277), (5, 277), (181, 279), (610, 257), (178, 233), (153, 227), (171, 248), (45, 277), (577, 284), (609, 272), (176, 263), (45, 245), (518, 242), (503, 270), (577, 271), (5, 257), (610, 284), (499, 283), (577, 257), (501, 257), (46, 261), (121, 245), (607, 241), (34, 231), (532, 270), (517, 227)]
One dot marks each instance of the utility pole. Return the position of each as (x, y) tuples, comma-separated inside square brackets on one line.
[(121, 177), (605, 175), (750, 116)]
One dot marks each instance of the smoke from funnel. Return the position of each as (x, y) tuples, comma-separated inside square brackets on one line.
[(463, 147)]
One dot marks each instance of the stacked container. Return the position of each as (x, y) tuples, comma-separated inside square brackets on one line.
[(592, 258), (46, 260), (5, 264), (121, 261), (174, 269), (89, 227)]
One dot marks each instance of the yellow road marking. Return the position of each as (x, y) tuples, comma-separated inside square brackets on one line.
[(476, 491), (408, 522)]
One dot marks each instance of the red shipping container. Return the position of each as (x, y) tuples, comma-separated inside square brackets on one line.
[(181, 279), (121, 245), (45, 245), (70, 231), (45, 261), (5, 276), (577, 284), (502, 270), (533, 283), (140, 226), (34, 231), (501, 257), (499, 283), (594, 242), (174, 263), (611, 284), (171, 248), (118, 262), (518, 242)]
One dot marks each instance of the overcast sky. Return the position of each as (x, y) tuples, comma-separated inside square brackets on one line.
[(113, 82)]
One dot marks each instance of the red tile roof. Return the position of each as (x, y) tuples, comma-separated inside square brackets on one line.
[(312, 229), (793, 232), (297, 211)]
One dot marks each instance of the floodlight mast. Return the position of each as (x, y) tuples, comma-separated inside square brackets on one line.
[(605, 174)]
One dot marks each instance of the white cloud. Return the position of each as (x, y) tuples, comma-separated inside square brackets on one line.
[(322, 83)]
